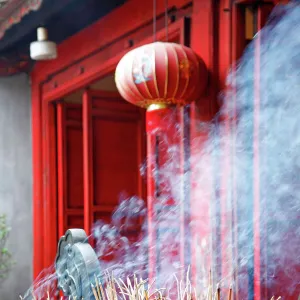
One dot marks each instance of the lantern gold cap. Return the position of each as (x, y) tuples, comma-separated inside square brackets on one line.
[(157, 106)]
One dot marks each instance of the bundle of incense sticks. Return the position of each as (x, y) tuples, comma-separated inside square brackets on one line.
[(139, 289)]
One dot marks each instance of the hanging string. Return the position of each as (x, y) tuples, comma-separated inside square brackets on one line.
[(154, 20), (166, 20)]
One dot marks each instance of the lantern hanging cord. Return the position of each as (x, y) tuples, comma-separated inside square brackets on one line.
[(166, 20), (154, 20)]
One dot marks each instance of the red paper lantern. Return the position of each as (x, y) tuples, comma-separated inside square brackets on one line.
[(161, 74)]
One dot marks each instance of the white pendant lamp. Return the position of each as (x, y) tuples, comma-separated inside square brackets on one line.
[(42, 49)]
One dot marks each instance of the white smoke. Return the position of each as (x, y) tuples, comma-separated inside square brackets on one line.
[(261, 145)]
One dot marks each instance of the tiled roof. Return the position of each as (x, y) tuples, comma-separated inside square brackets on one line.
[(12, 12)]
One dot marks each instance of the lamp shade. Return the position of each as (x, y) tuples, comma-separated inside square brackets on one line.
[(161, 73)]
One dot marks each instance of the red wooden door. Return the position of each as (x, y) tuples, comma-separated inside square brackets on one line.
[(113, 151)]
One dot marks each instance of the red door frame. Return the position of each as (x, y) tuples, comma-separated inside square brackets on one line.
[(88, 181), (52, 80), (68, 118)]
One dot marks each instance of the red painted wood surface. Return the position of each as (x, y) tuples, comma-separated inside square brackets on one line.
[(113, 143), (256, 175), (37, 203), (238, 45), (233, 37), (61, 167), (49, 236), (226, 225), (88, 180), (165, 130), (264, 255), (260, 258), (263, 12), (70, 166), (88, 69), (204, 43)]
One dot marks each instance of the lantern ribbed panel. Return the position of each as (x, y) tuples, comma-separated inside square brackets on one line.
[(161, 73)]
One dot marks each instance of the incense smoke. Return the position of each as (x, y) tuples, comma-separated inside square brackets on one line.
[(253, 157)]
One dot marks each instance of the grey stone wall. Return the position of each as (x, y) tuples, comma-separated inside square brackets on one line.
[(16, 180)]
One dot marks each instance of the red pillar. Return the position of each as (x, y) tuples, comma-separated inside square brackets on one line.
[(166, 190)]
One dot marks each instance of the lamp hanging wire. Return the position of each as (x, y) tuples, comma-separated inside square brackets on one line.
[(166, 20), (154, 20)]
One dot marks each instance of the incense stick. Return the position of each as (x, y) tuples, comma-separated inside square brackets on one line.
[(218, 293), (97, 286), (230, 294), (95, 292)]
